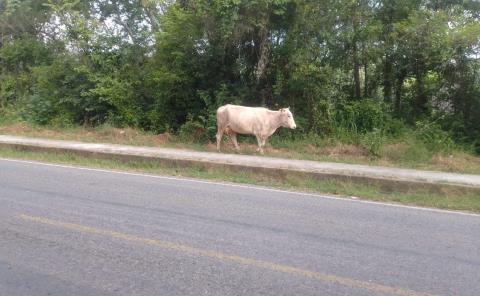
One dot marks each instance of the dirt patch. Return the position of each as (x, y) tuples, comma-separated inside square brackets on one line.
[(457, 162), (395, 151), (162, 139), (212, 146), (101, 134), (17, 128), (344, 150), (228, 147)]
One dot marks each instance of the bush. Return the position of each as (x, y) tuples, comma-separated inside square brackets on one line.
[(208, 117), (373, 142), (321, 118), (8, 89), (395, 128), (432, 135), (62, 120), (361, 116), (37, 109), (9, 114), (192, 131)]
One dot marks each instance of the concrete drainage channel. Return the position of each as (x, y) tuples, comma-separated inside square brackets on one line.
[(391, 179)]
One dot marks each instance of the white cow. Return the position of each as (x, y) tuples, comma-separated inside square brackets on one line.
[(257, 121)]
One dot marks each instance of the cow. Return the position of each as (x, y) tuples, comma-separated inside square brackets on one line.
[(257, 121)]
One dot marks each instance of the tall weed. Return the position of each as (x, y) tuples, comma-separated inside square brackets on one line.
[(192, 131), (373, 142), (432, 135)]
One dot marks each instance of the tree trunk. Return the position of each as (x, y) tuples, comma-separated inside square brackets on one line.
[(264, 53), (356, 62), (398, 92), (420, 107), (387, 79), (356, 71), (388, 51), (366, 93)]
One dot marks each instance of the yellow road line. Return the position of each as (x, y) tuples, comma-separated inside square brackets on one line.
[(378, 288)]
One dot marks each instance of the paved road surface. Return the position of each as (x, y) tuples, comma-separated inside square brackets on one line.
[(68, 231)]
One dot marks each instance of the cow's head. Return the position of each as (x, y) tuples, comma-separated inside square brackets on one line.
[(287, 118)]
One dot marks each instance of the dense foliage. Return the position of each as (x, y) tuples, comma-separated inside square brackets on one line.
[(364, 66)]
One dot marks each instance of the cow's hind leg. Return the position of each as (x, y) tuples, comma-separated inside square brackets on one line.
[(220, 132)]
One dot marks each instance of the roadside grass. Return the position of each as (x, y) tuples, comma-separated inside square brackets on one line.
[(405, 152), (446, 198)]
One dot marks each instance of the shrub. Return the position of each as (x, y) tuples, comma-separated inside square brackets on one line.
[(361, 116), (208, 118), (37, 109), (434, 137), (8, 92), (192, 131), (373, 142), (395, 128), (62, 120), (9, 114), (321, 118)]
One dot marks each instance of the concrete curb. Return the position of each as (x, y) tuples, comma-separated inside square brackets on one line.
[(387, 178)]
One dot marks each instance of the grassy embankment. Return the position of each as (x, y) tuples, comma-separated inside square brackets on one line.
[(406, 152), (446, 198)]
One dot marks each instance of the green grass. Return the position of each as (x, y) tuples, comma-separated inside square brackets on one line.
[(445, 199)]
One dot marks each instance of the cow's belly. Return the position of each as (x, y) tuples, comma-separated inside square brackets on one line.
[(241, 129)]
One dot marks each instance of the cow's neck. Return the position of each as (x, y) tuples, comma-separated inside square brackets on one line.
[(276, 120)]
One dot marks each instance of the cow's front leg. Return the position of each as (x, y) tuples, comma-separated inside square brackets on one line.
[(233, 136), (261, 143), (264, 142)]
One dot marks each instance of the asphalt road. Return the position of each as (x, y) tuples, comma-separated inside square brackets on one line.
[(70, 231)]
